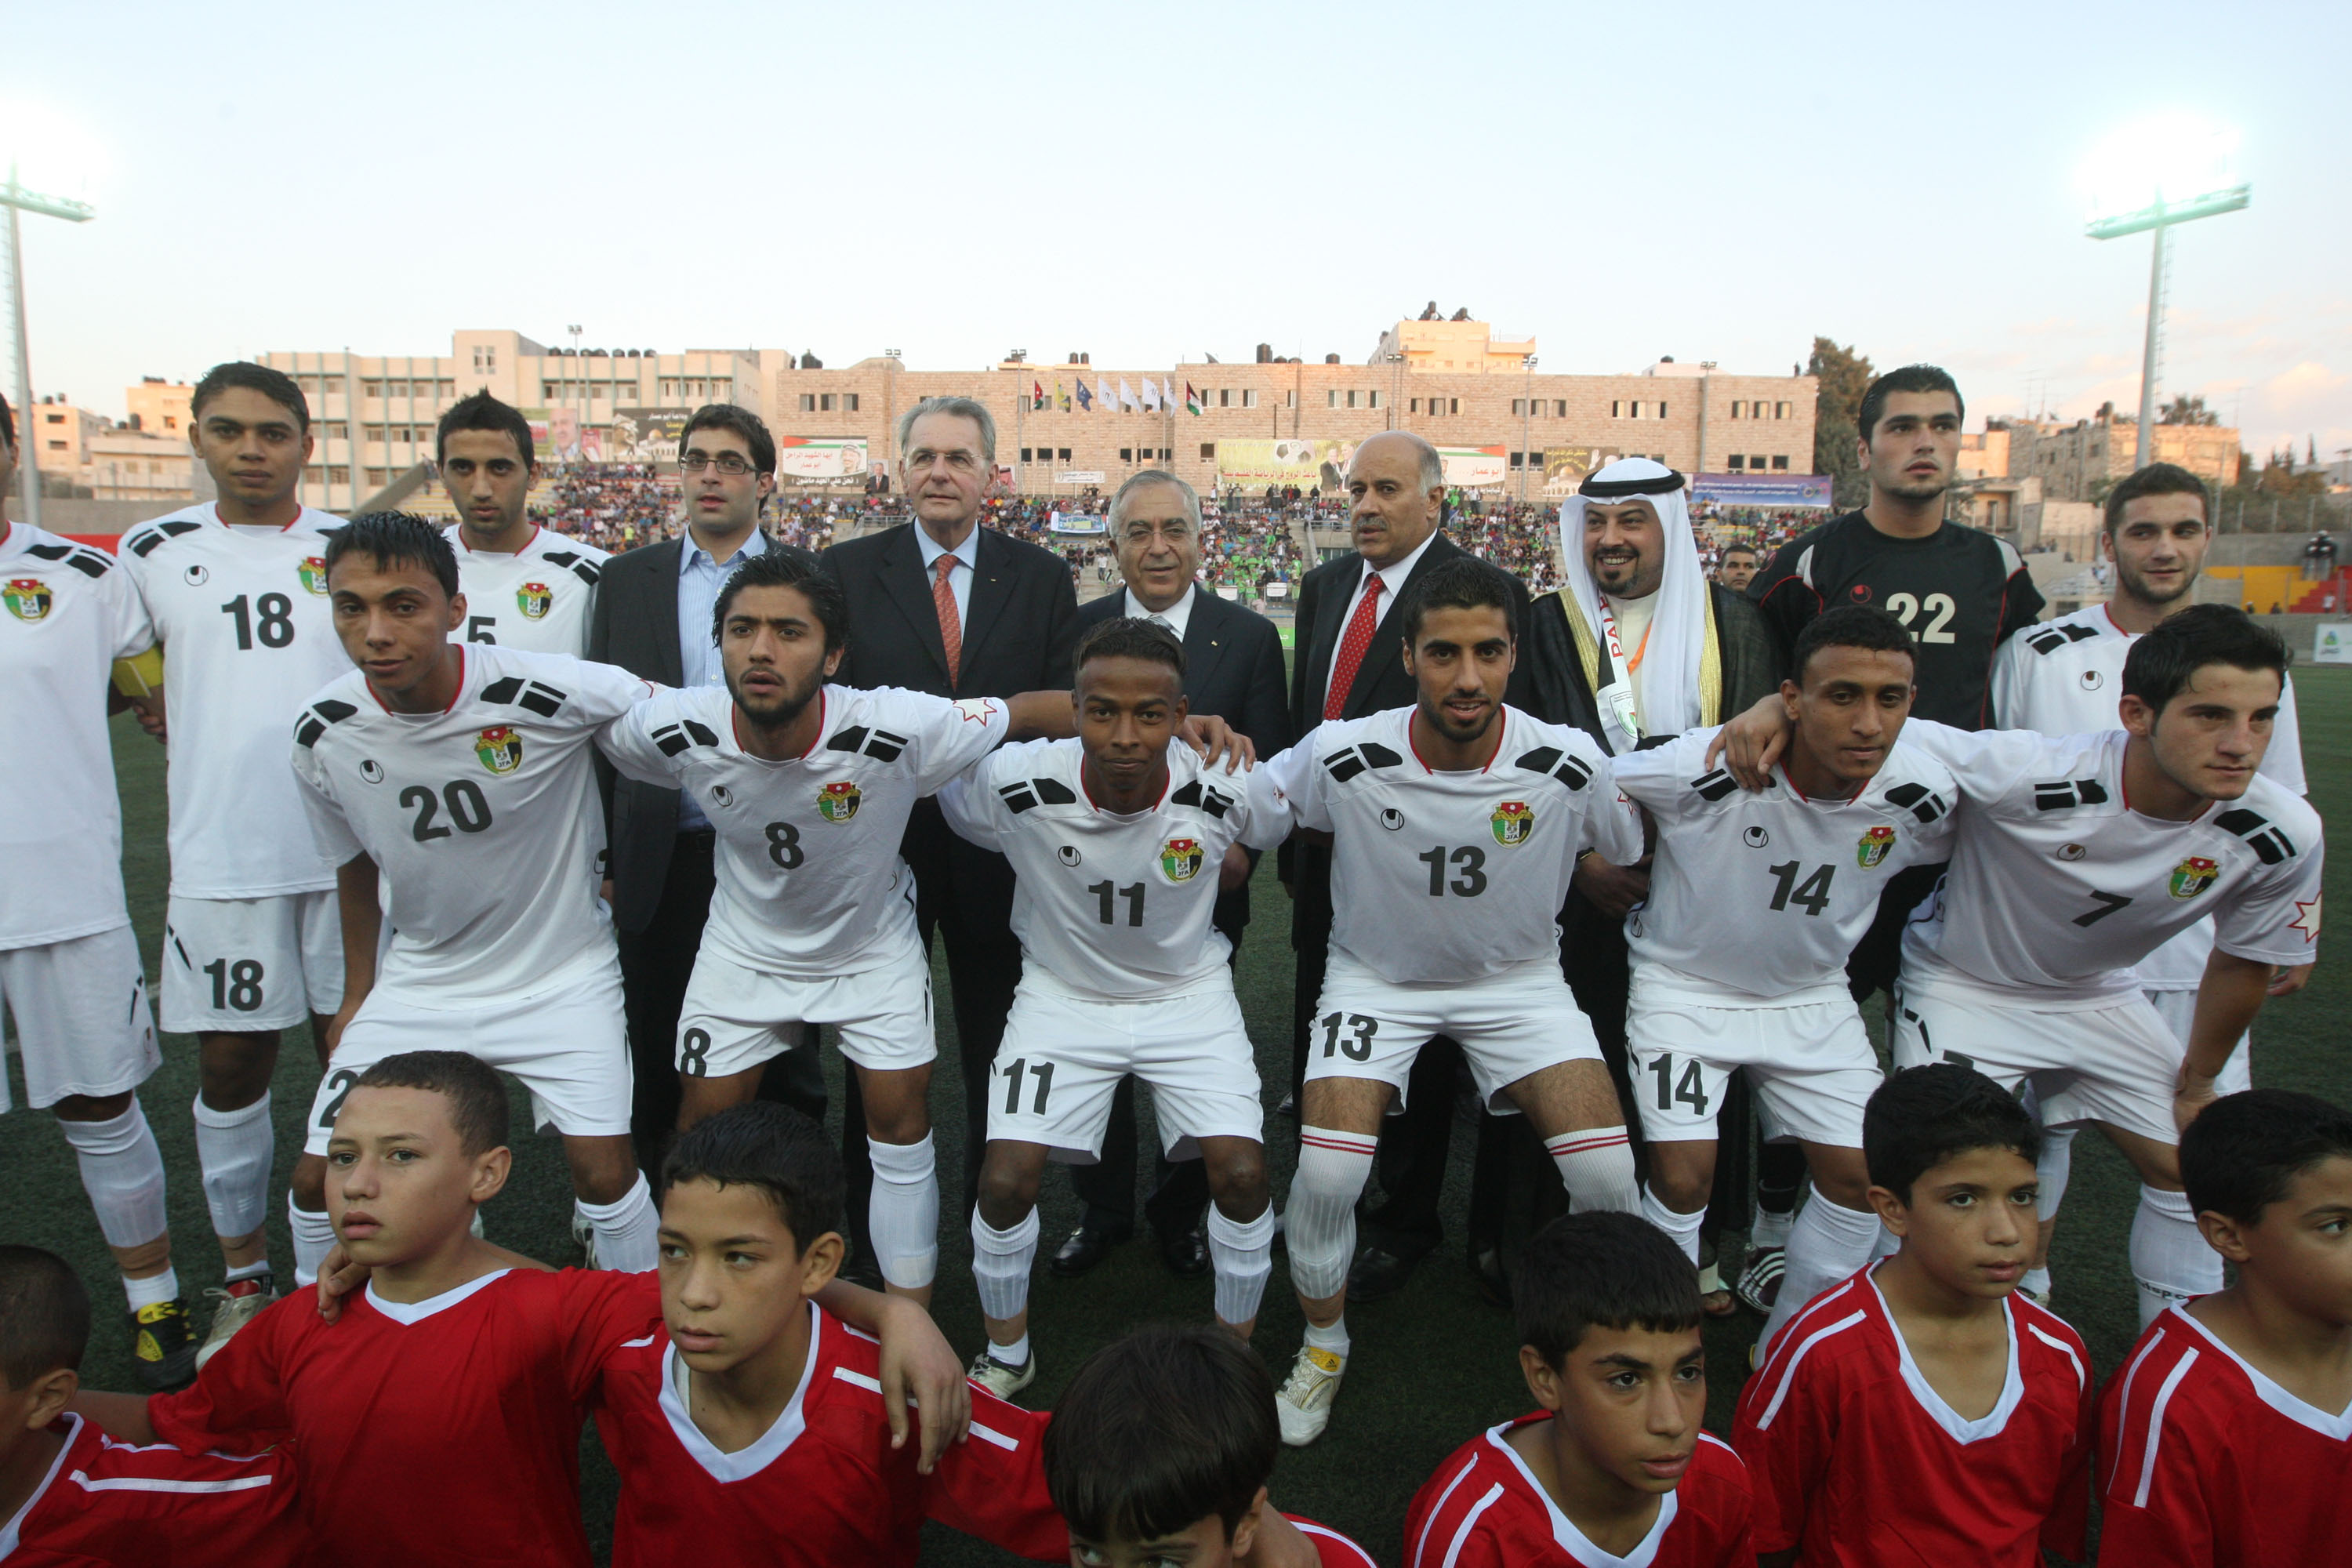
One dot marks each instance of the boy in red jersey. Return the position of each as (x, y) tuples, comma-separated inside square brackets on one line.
[(1160, 1452), (1923, 1413), (1613, 1469), (2226, 1436), (69, 1495), (438, 1417)]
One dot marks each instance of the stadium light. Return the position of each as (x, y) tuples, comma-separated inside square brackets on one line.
[(16, 199), (2146, 179)]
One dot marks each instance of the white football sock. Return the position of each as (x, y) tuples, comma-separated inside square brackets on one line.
[(123, 1172), (1828, 1242), (1683, 1227), (1001, 1261), (2051, 1171), (1015, 1354), (1597, 1165), (1332, 1339), (152, 1292), (234, 1149), (902, 1214), (1242, 1253), (2036, 1280), (1320, 1221), (626, 1229), (2169, 1260), (314, 1238)]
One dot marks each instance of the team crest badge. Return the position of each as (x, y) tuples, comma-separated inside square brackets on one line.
[(314, 573), (27, 599), (1512, 822), (2193, 876), (1873, 846), (499, 748), (1180, 858), (838, 800), (532, 599)]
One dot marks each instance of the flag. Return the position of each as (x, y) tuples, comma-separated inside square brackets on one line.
[(1062, 397), (1192, 399), (1151, 396), (1086, 398), (1036, 395), (1126, 399)]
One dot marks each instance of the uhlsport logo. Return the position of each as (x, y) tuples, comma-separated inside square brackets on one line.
[(2193, 876), (533, 599), (1512, 822), (313, 573), (838, 801), (1873, 846), (28, 598), (1180, 858), (500, 749)]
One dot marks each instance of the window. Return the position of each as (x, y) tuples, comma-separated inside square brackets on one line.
[(849, 402), (1661, 411), (1780, 463), (1518, 459), (824, 403), (1519, 411), (808, 402), (1065, 454), (1755, 465), (1126, 456), (1289, 399), (1249, 398), (1616, 408), (56, 418), (334, 430), (57, 446), (1331, 399), (1452, 405), (1416, 405), (1224, 397), (1738, 409), (1208, 451), (1025, 454), (485, 359), (1560, 408), (1779, 411), (1738, 463)]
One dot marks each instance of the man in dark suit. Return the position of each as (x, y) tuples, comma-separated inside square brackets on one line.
[(943, 605), (1233, 668), (653, 619), (1352, 662)]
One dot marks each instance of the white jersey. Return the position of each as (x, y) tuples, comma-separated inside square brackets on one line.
[(539, 598), (483, 818), (70, 613), (1765, 892), (2063, 678), (1111, 905), (248, 639), (2058, 888), (1449, 876), (810, 882)]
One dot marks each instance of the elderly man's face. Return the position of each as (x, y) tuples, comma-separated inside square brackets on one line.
[(1392, 514), (1158, 546), (1624, 548)]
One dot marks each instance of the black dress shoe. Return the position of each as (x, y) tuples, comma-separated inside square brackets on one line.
[(1379, 1274), (1186, 1252), (1088, 1244)]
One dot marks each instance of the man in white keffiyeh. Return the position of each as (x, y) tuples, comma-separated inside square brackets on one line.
[(1635, 584)]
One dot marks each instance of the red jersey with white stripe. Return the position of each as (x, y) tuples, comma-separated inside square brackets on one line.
[(440, 1431), (105, 1502), (1332, 1548), (2204, 1460), (1858, 1460), (1485, 1509), (823, 1485)]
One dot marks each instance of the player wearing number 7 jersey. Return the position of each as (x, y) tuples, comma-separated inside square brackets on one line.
[(1456, 824), (2075, 858), (461, 775)]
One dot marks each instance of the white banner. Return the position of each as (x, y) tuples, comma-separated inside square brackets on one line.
[(1078, 476)]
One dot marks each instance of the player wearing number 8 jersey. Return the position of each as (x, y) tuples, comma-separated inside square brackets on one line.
[(1456, 824), (460, 774)]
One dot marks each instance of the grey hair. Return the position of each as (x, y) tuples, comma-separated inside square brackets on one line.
[(961, 408), (1154, 476), (1433, 466)]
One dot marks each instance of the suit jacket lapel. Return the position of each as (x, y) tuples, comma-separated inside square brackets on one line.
[(662, 624), (909, 585), (1205, 636), (990, 587), (1331, 618)]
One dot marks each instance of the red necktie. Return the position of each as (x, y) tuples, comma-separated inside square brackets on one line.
[(951, 624), (1352, 644)]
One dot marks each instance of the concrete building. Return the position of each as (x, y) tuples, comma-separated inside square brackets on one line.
[(83, 453), (2076, 462)]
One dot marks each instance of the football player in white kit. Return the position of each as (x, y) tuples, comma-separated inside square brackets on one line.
[(1115, 839), (70, 969), (2063, 678), (238, 591), (1456, 826), (1756, 899), (461, 775), (2078, 856), (526, 587)]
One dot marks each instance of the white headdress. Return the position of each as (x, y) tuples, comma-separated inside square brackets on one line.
[(1677, 643)]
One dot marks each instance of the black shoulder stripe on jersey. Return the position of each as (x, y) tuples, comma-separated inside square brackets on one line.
[(847, 740), (2062, 794), (2050, 639), (317, 717), (1715, 785), (1018, 795), (159, 533), (672, 739), (1346, 763), (2269, 844), (1380, 756), (88, 562), (1203, 797), (1025, 794), (585, 571), (883, 746), (1054, 791), (537, 696), (1918, 800), (1570, 771), (1541, 760)]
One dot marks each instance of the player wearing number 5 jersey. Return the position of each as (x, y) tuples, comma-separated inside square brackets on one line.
[(1456, 824), (460, 774), (2077, 858), (526, 587), (1115, 840), (1738, 955)]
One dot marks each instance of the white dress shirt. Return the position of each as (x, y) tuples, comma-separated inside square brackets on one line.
[(1177, 616), (967, 556), (1393, 578)]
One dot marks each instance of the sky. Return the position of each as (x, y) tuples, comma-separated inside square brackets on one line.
[(1154, 183)]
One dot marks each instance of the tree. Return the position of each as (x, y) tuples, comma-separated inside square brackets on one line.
[(2186, 410), (1843, 375)]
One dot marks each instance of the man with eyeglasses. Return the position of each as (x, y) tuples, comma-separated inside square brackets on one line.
[(653, 619)]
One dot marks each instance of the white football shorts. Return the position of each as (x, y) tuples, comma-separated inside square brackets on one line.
[(2114, 1065), (83, 1025), (1509, 1024), (734, 1018), (1810, 1065), (1061, 1058), (2179, 1010), (237, 966)]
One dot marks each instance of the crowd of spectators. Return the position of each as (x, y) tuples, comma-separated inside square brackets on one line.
[(613, 506)]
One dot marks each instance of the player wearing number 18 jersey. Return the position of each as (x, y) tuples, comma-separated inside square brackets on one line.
[(526, 587)]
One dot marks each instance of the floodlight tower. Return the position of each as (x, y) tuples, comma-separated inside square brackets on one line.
[(15, 199)]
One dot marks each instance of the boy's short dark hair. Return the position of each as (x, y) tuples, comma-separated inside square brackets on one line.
[(782, 567), (1129, 637), (477, 1095), (395, 539), (1600, 1270), (274, 384), (44, 1315), (2163, 660), (480, 411), (738, 420), (1465, 582), (2238, 1156), (1852, 626), (1160, 1430), (1924, 1116), (773, 1148), (1909, 378), (2155, 479)]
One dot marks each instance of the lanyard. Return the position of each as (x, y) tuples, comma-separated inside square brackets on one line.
[(1616, 699)]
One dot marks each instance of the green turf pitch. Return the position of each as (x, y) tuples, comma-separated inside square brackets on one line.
[(1431, 1367)]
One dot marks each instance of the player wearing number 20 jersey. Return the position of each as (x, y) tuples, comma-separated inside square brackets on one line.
[(537, 598)]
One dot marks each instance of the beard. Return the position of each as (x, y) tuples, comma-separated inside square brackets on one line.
[(785, 710), (1919, 491), (2133, 583)]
